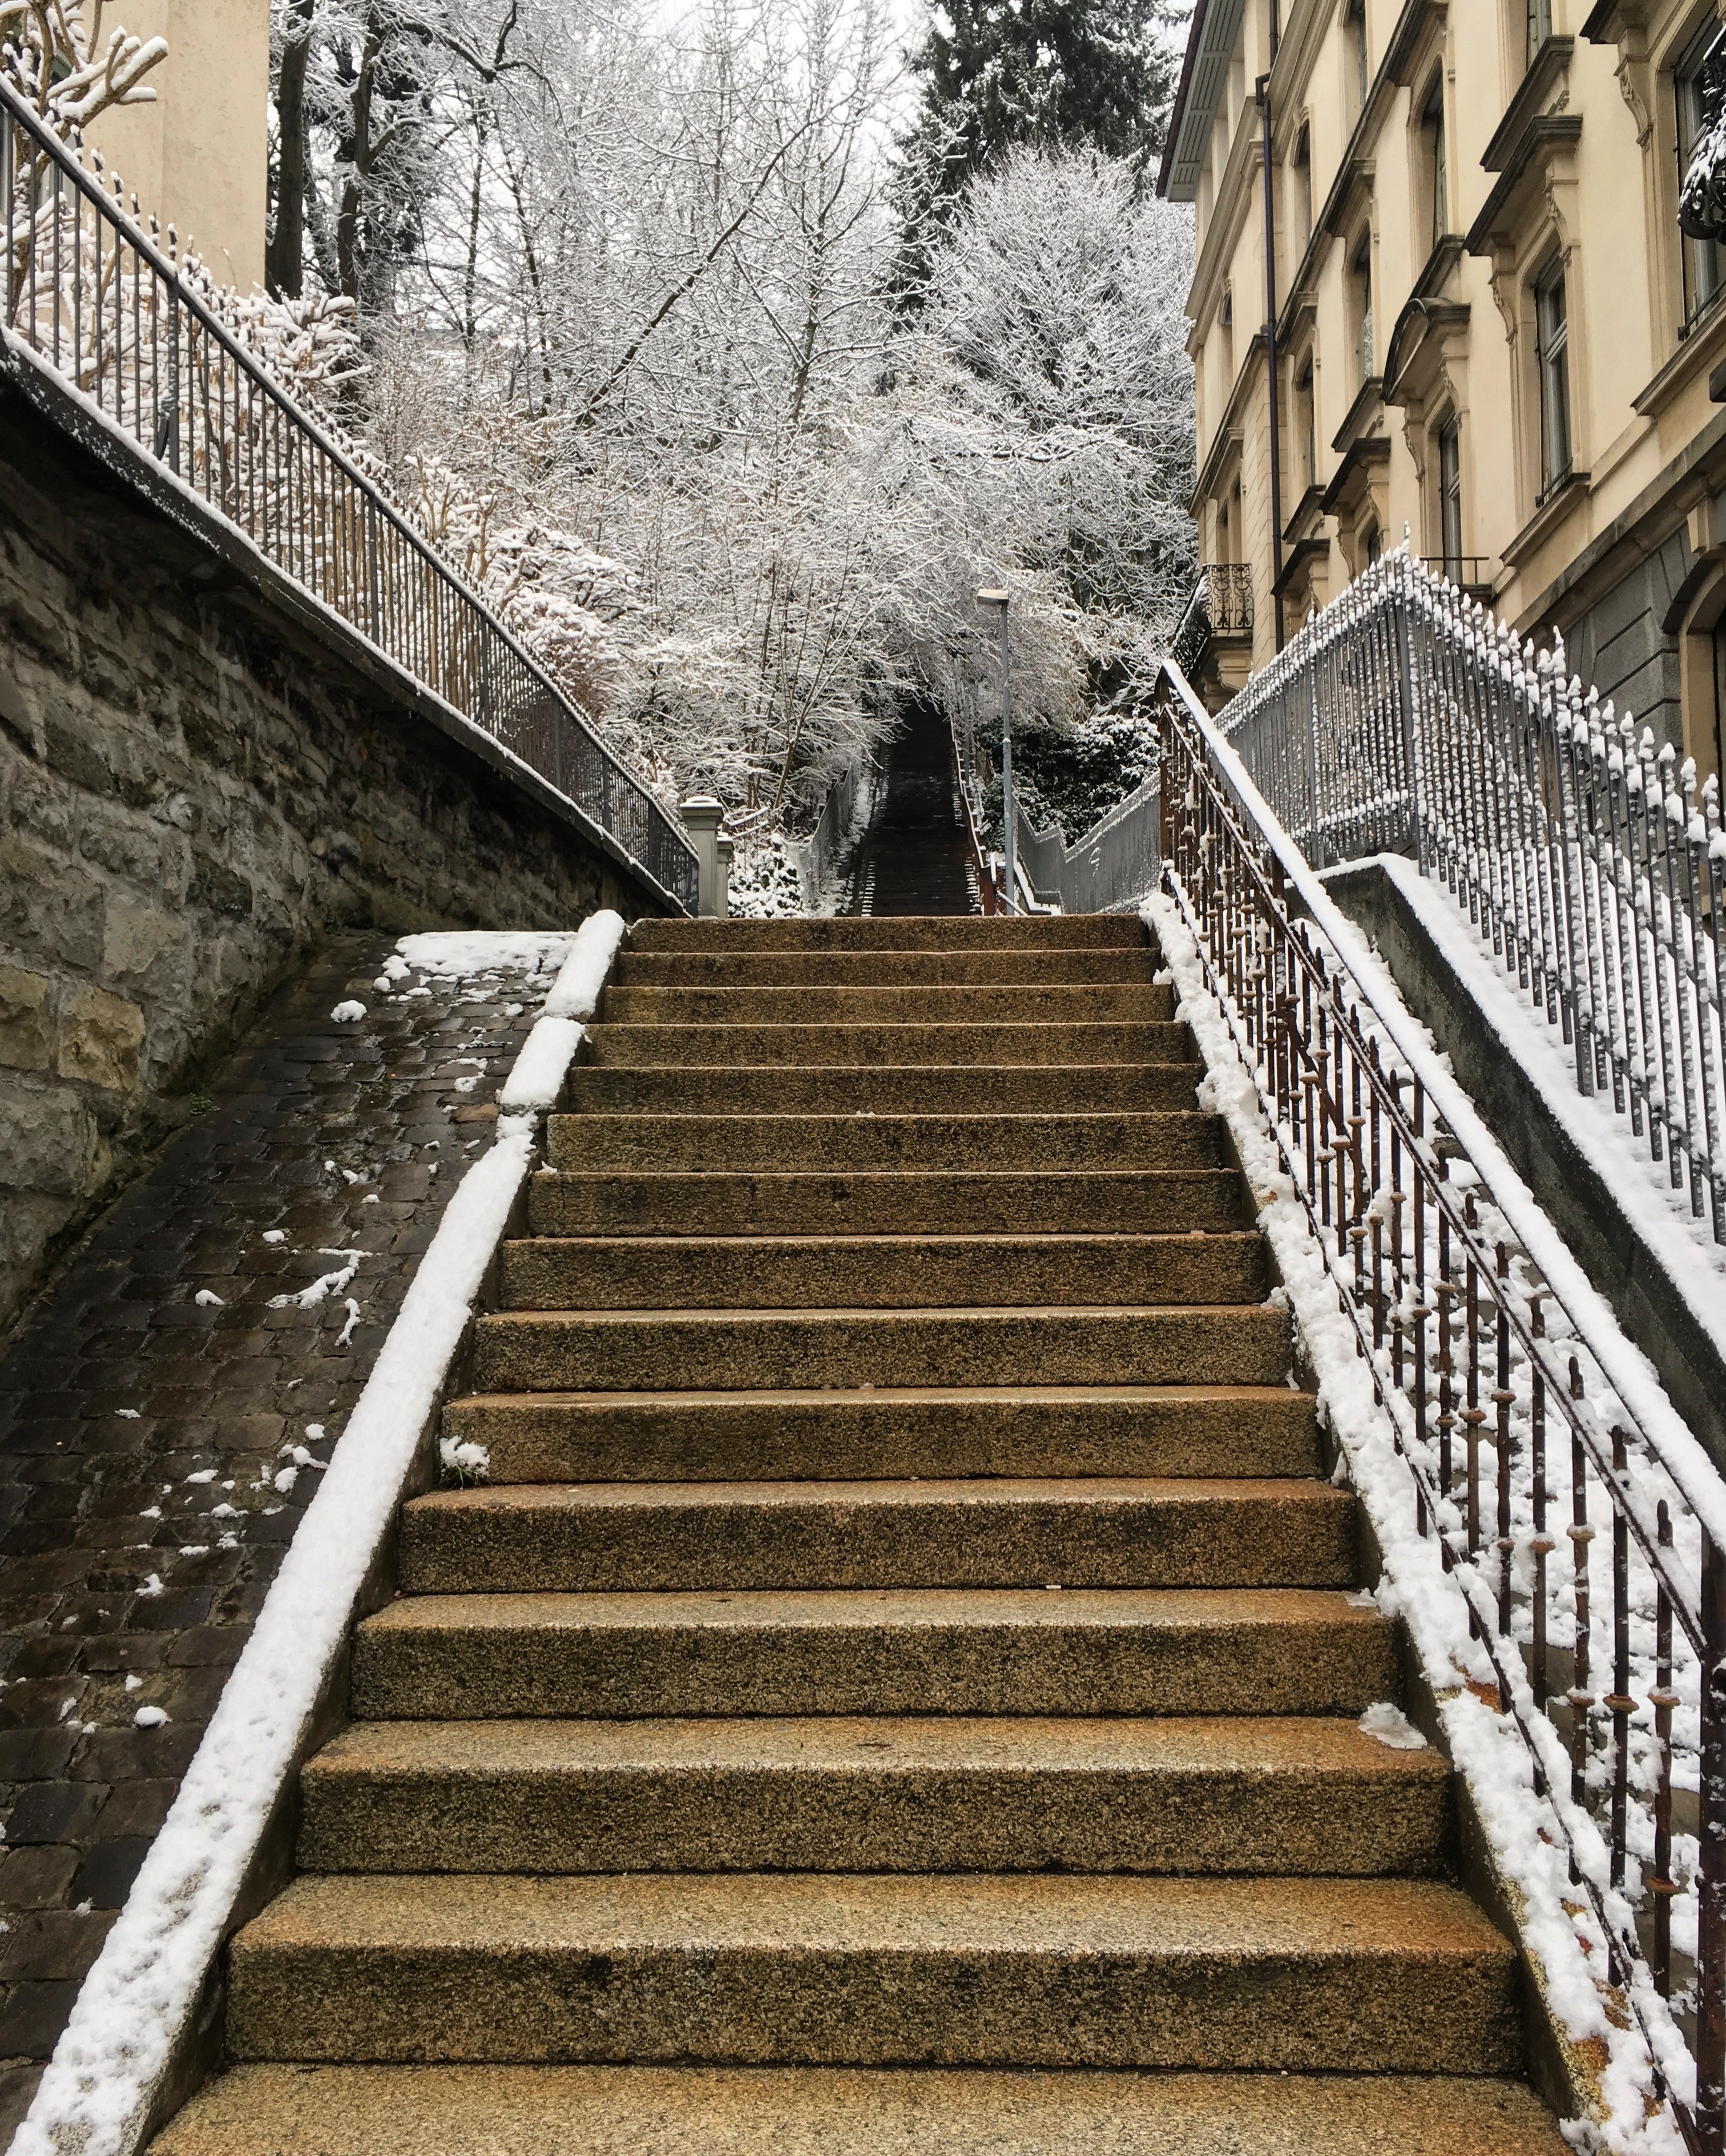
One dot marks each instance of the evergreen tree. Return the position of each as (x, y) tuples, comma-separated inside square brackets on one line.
[(1049, 74)]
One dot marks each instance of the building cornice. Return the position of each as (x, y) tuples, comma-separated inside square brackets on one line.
[(1199, 97), (1354, 473), (1547, 70), (1543, 140), (1369, 403)]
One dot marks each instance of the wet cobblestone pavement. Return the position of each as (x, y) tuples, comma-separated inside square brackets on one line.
[(162, 1409)]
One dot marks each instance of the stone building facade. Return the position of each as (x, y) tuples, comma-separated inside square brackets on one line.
[(1483, 323)]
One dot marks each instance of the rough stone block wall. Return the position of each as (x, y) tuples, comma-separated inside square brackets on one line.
[(1620, 647), (193, 791)]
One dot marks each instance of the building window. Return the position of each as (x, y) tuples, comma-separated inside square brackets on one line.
[(1449, 500), (1303, 190), (1307, 426), (1438, 177), (1363, 271), (1539, 28), (1552, 345), (1372, 543), (1357, 33), (1719, 648), (1704, 260)]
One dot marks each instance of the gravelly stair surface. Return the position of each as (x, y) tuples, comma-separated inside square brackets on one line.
[(899, 1688), (141, 1432)]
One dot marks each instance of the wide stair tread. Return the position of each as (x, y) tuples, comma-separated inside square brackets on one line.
[(891, 1430), (878, 1650), (1308, 1974), (1093, 1531), (731, 2110), (646, 1201), (1308, 1795), (890, 1271)]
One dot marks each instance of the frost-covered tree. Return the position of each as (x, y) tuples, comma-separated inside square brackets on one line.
[(1000, 74)]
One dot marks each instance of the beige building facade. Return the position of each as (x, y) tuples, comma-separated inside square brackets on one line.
[(198, 157), (1482, 322)]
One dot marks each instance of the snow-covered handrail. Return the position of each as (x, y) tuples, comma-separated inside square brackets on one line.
[(125, 326), (1406, 717), (1461, 1301)]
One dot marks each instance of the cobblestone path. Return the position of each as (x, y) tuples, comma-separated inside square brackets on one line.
[(161, 1408)]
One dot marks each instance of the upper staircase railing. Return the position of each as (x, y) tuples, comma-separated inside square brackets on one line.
[(1113, 865), (1614, 1674), (125, 326), (1405, 717)]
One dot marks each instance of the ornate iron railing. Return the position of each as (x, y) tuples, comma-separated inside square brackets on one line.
[(123, 323), (1617, 1683), (1405, 717), (1221, 605)]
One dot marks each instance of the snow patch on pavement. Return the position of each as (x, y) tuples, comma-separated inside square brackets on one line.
[(145, 1986)]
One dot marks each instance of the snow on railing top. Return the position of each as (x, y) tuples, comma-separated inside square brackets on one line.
[(132, 331), (1406, 717), (1521, 1418)]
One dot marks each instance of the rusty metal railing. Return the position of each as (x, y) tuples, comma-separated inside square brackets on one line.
[(1613, 1672)]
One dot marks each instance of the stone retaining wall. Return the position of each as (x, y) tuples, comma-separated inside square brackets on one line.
[(195, 787)]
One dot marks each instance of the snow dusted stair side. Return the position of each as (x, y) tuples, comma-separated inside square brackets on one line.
[(140, 2027), (907, 1642)]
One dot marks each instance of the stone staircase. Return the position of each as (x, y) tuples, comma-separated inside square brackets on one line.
[(897, 1690)]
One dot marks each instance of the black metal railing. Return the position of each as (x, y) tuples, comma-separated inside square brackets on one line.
[(1514, 1439), (124, 324), (1221, 605)]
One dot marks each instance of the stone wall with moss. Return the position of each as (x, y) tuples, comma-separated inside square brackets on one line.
[(194, 789)]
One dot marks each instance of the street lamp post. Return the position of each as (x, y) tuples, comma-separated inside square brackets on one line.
[(997, 600)]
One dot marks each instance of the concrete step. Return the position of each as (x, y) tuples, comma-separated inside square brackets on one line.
[(836, 2111), (985, 1532), (964, 1045), (881, 1089), (1300, 1795), (877, 1202), (771, 1436), (1007, 1144), (902, 1650), (874, 968), (1391, 1975), (876, 1272), (748, 1351), (1024, 1004), (1076, 931)]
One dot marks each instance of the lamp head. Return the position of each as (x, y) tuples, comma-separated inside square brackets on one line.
[(991, 599)]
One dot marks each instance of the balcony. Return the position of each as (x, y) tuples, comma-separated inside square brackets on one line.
[(1213, 645)]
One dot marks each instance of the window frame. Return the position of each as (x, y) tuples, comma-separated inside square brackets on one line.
[(1552, 361), (1537, 28), (1355, 18), (1699, 260), (1436, 160), (1360, 273), (1449, 467)]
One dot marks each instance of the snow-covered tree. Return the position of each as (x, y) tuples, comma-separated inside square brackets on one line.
[(1001, 74)]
